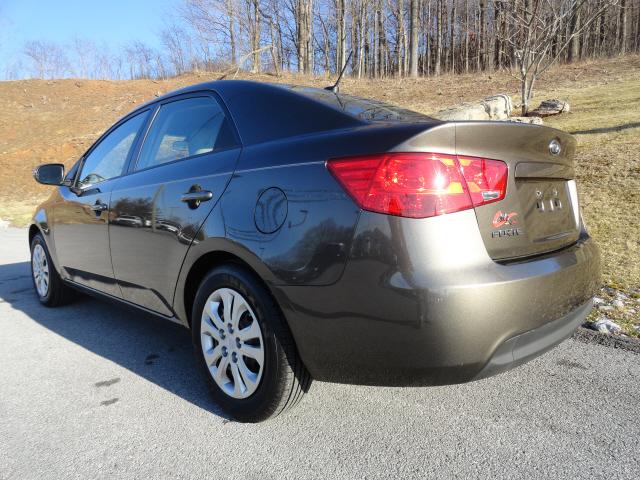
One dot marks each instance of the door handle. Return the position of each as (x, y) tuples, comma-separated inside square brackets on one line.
[(201, 196), (99, 207), (195, 197)]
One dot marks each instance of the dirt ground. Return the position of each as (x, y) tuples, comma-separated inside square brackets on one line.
[(56, 121)]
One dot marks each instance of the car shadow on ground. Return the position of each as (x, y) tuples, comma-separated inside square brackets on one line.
[(156, 349), (617, 128)]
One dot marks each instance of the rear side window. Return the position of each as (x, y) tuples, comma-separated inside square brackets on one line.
[(185, 128), (107, 159)]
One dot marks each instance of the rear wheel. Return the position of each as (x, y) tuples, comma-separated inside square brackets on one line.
[(48, 285), (244, 347)]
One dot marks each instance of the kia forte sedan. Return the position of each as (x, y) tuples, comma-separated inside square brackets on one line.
[(305, 234)]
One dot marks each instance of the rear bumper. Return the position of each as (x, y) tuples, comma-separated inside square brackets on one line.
[(421, 303), (528, 345)]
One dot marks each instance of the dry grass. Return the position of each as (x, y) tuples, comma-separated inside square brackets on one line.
[(45, 121), (607, 124)]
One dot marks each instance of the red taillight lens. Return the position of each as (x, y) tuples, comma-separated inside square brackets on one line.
[(420, 185), (486, 179)]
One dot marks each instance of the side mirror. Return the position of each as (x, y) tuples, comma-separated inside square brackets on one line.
[(49, 174)]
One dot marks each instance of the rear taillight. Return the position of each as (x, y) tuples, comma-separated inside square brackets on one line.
[(486, 179), (420, 185)]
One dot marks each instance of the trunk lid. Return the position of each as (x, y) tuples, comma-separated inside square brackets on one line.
[(540, 211)]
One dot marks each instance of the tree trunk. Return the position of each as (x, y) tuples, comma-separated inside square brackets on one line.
[(311, 52), (232, 33), (438, 62), (301, 34), (275, 50), (623, 27), (602, 37), (400, 38), (452, 21), (466, 36), (524, 98), (304, 11), (361, 38), (413, 43), (326, 47), (482, 45), (573, 52), (354, 39), (341, 40), (382, 40), (445, 37), (637, 34), (497, 7), (405, 46), (255, 43), (428, 39)]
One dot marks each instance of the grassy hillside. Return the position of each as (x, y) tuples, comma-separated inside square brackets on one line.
[(47, 121)]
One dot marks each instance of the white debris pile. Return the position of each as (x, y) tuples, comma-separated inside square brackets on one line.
[(617, 311), (606, 325)]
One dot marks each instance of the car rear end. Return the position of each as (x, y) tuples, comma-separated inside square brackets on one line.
[(469, 257)]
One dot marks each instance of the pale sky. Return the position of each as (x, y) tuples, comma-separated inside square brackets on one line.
[(109, 22)]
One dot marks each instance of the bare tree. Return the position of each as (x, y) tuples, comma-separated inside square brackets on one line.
[(215, 23), (536, 23), (84, 51), (141, 59), (48, 59), (13, 70), (177, 44)]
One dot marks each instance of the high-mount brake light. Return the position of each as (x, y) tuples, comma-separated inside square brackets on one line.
[(420, 185)]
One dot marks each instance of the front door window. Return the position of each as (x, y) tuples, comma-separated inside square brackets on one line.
[(108, 158)]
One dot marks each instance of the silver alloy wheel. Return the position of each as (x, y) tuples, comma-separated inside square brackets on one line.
[(232, 343), (40, 268)]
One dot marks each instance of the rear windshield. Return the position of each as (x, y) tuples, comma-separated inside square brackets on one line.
[(362, 108)]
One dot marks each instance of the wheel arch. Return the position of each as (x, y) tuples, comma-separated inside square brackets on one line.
[(33, 231), (203, 265), (40, 225)]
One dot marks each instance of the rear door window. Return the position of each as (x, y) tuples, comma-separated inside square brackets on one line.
[(186, 128)]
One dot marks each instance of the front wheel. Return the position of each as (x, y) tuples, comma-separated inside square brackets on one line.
[(245, 347), (48, 285)]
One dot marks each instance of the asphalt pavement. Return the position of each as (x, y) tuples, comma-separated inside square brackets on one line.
[(91, 390)]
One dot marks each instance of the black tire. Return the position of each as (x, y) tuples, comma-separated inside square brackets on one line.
[(57, 293), (284, 379)]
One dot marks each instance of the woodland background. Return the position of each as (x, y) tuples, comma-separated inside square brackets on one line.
[(386, 37)]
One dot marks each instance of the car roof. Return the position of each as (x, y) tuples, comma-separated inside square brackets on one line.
[(222, 87), (269, 111)]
